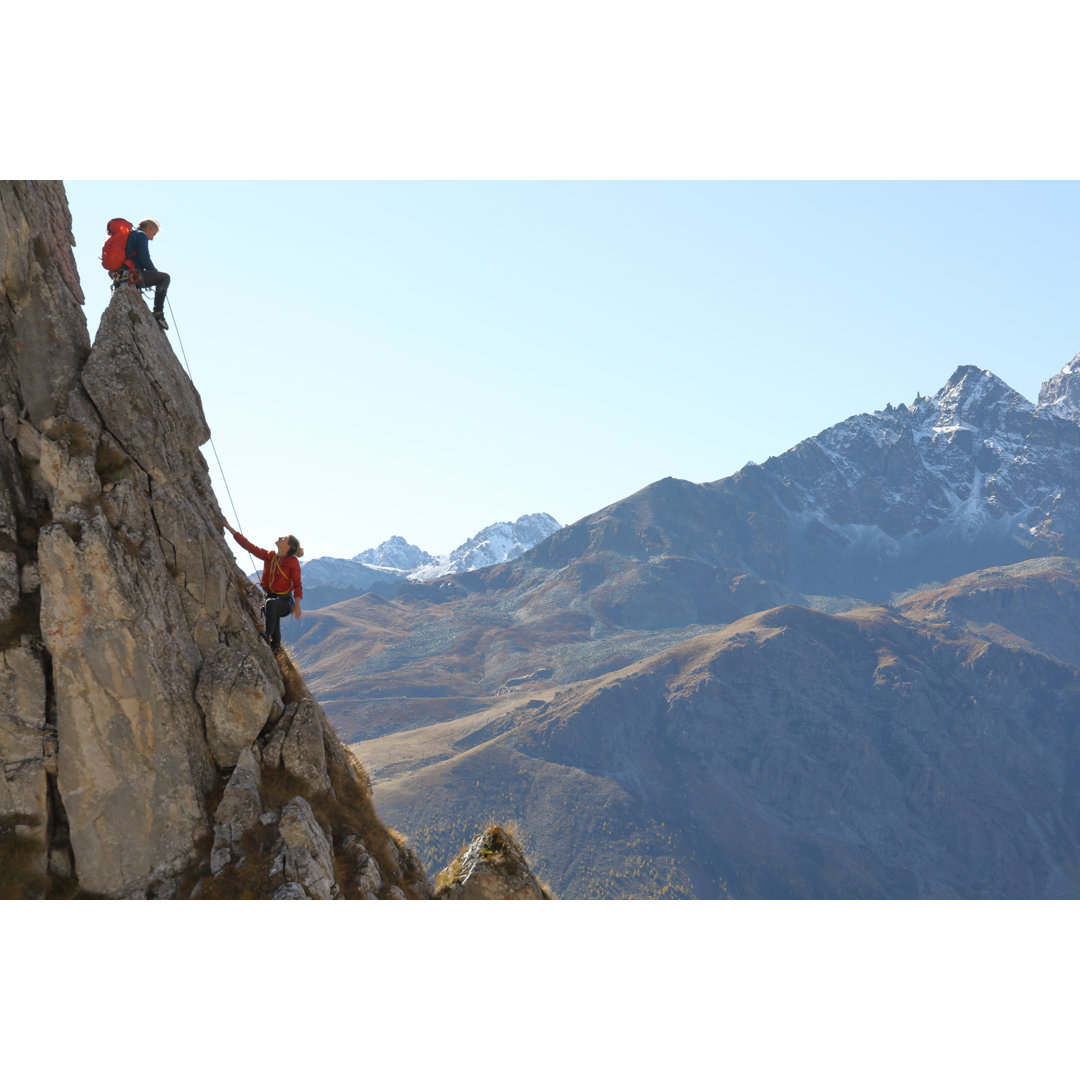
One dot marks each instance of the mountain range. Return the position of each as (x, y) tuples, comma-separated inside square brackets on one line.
[(381, 569), (927, 749), (555, 680)]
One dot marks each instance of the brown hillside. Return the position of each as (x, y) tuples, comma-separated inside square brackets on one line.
[(885, 752)]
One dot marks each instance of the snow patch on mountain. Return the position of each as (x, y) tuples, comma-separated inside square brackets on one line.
[(394, 554), (976, 461), (1061, 394), (501, 542), (397, 559)]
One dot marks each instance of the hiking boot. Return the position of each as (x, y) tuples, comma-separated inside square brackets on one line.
[(160, 317)]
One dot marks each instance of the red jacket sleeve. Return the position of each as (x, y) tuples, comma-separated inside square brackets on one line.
[(247, 545)]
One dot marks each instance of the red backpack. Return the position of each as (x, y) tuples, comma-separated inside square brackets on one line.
[(114, 253)]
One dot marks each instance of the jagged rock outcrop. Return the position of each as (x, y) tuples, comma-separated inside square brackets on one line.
[(303, 748), (307, 858), (237, 694), (150, 743), (492, 867), (1060, 395), (239, 810)]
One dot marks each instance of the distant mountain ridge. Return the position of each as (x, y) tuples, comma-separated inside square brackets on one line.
[(882, 502), (873, 507), (393, 554), (383, 568), (498, 543)]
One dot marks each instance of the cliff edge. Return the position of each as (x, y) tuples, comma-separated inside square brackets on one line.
[(150, 743)]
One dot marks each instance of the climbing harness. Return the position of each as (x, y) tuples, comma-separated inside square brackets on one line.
[(124, 277)]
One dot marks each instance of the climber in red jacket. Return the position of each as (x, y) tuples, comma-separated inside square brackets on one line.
[(280, 581)]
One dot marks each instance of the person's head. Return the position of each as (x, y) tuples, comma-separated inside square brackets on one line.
[(150, 227), (289, 545)]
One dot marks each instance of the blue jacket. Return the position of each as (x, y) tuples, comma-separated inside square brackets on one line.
[(138, 250)]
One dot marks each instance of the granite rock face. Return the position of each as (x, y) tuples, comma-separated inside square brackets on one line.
[(239, 810), (237, 696), (136, 693), (43, 345), (308, 855)]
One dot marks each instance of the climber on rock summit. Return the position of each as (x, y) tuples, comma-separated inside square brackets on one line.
[(280, 581), (138, 251)]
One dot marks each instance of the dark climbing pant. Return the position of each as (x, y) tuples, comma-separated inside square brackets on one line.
[(274, 607), (156, 277)]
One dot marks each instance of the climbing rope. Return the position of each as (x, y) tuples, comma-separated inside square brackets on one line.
[(180, 342)]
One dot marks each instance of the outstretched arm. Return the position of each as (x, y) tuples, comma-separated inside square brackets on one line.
[(246, 544)]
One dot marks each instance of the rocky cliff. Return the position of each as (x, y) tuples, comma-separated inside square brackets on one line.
[(151, 745)]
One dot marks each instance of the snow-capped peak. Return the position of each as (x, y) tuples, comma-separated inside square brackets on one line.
[(396, 554), (972, 398), (497, 543)]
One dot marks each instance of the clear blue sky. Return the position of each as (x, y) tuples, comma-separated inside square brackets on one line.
[(425, 358)]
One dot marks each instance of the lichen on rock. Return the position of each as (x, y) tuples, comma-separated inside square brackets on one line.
[(492, 867)]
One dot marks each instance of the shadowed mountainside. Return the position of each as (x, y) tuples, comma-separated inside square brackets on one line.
[(924, 750)]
